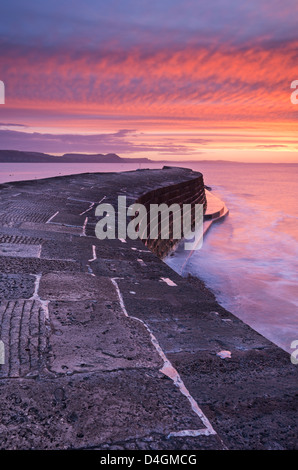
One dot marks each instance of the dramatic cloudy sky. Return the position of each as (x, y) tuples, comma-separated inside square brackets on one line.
[(166, 79)]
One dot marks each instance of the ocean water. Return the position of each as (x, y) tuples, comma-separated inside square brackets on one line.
[(250, 259)]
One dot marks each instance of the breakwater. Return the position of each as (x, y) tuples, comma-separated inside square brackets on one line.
[(105, 346), (190, 192)]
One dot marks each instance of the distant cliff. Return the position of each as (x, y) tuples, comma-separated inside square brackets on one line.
[(16, 156)]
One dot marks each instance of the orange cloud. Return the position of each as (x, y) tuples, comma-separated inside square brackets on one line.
[(193, 82), (244, 92)]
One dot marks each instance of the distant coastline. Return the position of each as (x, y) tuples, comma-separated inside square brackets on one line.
[(20, 156)]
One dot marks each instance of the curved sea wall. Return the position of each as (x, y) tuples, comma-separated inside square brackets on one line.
[(190, 192), (106, 347)]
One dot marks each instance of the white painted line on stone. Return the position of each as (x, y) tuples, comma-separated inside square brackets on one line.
[(80, 200), (92, 205), (114, 281), (94, 257), (90, 271), (188, 433), (36, 287), (224, 354), (54, 215), (140, 251), (2, 353), (102, 199), (142, 263), (89, 208), (168, 281), (83, 234), (172, 373), (35, 296)]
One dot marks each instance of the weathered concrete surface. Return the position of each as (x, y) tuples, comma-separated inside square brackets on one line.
[(101, 353)]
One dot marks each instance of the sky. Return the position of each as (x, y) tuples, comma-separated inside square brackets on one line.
[(170, 79)]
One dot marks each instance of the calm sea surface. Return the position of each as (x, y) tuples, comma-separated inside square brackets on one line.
[(250, 260)]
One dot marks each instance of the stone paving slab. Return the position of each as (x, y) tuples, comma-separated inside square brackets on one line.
[(75, 286), (91, 410), (66, 218), (18, 265), (23, 332), (18, 238), (20, 250), (92, 335), (73, 248), (16, 286), (249, 395)]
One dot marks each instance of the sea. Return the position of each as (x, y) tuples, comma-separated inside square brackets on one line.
[(249, 260)]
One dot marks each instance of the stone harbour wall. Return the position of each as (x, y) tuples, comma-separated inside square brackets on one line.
[(187, 192)]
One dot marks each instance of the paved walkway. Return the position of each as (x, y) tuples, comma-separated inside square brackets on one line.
[(106, 347)]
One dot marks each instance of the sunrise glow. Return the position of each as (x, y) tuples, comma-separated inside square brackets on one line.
[(163, 81)]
